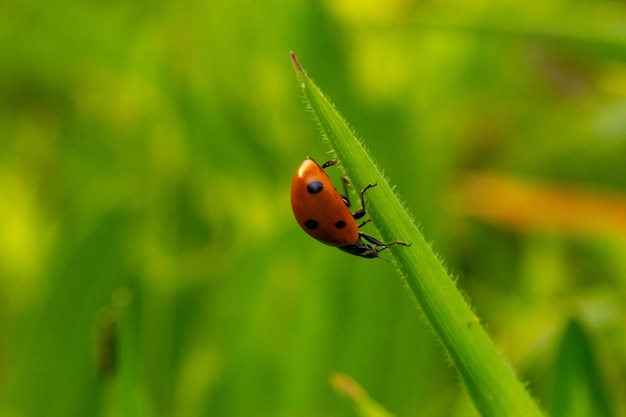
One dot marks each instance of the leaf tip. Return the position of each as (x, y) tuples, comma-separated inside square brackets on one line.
[(296, 63), (347, 386)]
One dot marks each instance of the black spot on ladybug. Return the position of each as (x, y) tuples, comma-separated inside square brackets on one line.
[(314, 187), (311, 224), (340, 224)]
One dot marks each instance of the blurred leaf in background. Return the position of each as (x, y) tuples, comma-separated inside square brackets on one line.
[(146, 151), (578, 388)]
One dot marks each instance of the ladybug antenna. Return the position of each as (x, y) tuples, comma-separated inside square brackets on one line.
[(384, 259)]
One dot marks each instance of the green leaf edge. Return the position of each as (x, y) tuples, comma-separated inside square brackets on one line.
[(490, 381)]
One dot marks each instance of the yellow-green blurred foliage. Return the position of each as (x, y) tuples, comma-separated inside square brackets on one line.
[(149, 261)]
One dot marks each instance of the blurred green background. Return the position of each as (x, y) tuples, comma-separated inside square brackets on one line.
[(149, 261)]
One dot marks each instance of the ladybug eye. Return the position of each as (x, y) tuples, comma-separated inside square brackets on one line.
[(314, 187)]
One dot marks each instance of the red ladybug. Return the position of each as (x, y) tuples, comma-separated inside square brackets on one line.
[(323, 213)]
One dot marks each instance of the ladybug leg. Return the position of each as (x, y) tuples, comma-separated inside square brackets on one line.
[(364, 223), (372, 239), (346, 183), (361, 212), (376, 242), (346, 195)]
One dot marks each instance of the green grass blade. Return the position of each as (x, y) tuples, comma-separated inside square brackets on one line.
[(492, 384), (578, 386), (363, 403)]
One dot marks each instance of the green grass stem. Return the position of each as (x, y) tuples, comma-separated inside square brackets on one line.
[(492, 384)]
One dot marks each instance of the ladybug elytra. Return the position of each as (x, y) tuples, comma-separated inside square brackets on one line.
[(324, 213)]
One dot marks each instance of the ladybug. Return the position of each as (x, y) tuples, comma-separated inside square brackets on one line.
[(323, 213)]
